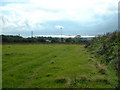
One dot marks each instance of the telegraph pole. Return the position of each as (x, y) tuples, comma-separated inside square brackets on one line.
[(61, 35), (31, 34)]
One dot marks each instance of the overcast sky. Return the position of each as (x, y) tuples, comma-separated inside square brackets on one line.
[(77, 17)]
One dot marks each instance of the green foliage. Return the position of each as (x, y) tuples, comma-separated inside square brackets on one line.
[(19, 39), (106, 47)]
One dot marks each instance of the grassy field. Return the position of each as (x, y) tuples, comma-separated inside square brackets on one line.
[(54, 66)]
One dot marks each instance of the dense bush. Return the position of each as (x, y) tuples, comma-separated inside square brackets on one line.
[(106, 47)]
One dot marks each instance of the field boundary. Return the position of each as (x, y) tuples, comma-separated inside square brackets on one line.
[(43, 43)]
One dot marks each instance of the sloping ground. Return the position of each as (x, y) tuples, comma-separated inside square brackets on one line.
[(54, 66), (107, 47)]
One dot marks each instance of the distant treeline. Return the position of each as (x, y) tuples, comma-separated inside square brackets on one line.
[(20, 39), (107, 47)]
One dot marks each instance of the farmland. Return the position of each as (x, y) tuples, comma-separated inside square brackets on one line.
[(54, 66)]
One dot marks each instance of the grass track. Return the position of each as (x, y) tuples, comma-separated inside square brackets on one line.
[(52, 66)]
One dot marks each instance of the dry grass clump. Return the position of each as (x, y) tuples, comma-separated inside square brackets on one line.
[(74, 80), (83, 78), (101, 68), (101, 79), (91, 58)]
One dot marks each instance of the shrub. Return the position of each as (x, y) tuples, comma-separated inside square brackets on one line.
[(105, 47)]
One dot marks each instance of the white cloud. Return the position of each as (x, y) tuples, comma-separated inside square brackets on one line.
[(36, 12), (59, 27)]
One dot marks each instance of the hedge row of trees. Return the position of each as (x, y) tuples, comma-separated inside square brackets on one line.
[(107, 47), (19, 39)]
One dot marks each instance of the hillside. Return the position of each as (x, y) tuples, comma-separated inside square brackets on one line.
[(107, 49)]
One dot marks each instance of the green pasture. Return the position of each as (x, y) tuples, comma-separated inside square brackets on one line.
[(53, 66)]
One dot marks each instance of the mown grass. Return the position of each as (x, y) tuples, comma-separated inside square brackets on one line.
[(53, 66)]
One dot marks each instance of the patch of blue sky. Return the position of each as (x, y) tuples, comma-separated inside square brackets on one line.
[(6, 3)]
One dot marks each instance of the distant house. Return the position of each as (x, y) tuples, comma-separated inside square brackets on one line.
[(78, 36), (48, 41)]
